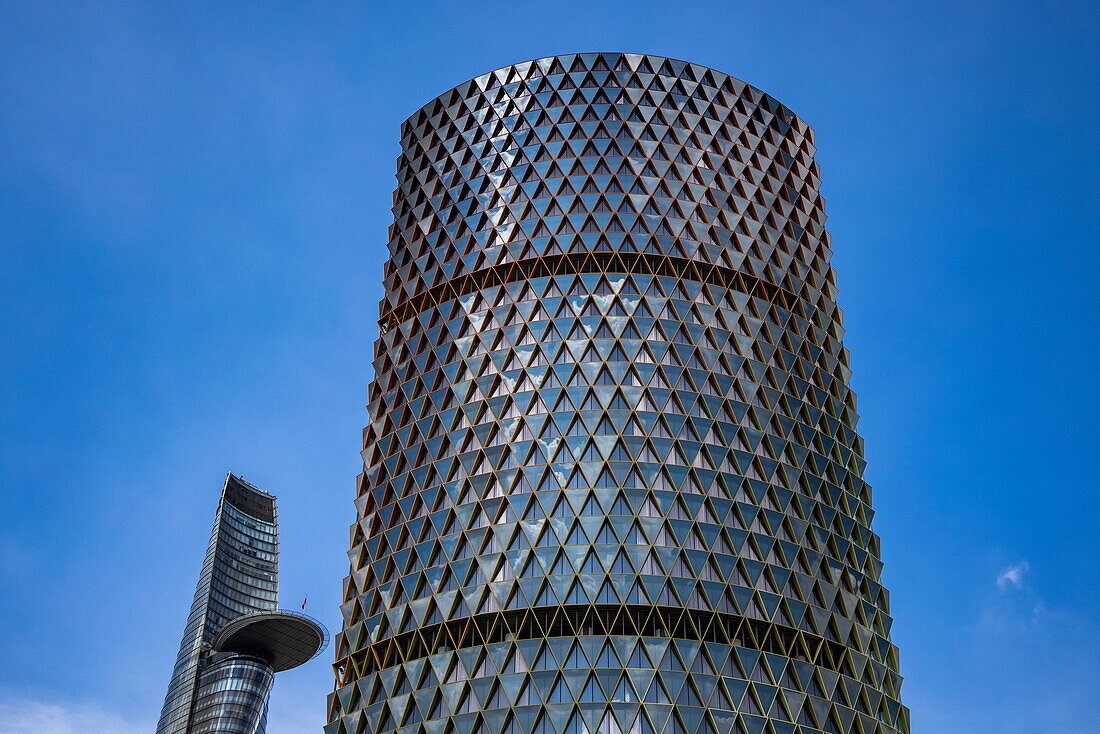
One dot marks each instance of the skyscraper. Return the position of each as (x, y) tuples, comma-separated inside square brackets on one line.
[(612, 481), (236, 638)]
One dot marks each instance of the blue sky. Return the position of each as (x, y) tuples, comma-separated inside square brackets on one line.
[(193, 209)]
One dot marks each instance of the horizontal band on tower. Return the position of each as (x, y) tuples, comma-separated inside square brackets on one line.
[(597, 620), (588, 262)]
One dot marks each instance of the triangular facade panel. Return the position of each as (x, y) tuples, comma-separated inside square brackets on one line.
[(612, 482)]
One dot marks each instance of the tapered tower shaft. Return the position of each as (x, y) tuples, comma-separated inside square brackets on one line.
[(236, 638), (612, 481)]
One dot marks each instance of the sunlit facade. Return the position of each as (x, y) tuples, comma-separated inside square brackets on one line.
[(236, 639), (612, 481)]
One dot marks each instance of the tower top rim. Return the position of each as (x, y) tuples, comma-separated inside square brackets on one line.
[(661, 60), (249, 498)]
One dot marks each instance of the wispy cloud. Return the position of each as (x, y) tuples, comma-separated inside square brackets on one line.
[(1013, 576), (25, 715), (1017, 606)]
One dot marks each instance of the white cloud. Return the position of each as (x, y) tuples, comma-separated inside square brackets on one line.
[(22, 715), (1013, 576)]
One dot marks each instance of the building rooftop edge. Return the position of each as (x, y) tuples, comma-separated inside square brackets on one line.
[(249, 498), (230, 476), (572, 55)]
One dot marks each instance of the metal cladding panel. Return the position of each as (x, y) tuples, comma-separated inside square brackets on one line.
[(239, 576), (612, 481)]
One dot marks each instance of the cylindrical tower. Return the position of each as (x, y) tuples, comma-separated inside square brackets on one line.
[(612, 482), (232, 695), (240, 575), (236, 638)]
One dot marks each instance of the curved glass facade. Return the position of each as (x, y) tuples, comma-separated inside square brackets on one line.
[(232, 696), (612, 481), (240, 575), (236, 639)]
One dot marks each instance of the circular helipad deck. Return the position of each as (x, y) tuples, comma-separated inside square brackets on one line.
[(286, 639)]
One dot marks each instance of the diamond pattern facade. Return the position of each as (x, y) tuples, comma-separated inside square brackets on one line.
[(612, 481)]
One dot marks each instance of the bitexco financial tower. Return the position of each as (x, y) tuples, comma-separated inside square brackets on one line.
[(612, 481)]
